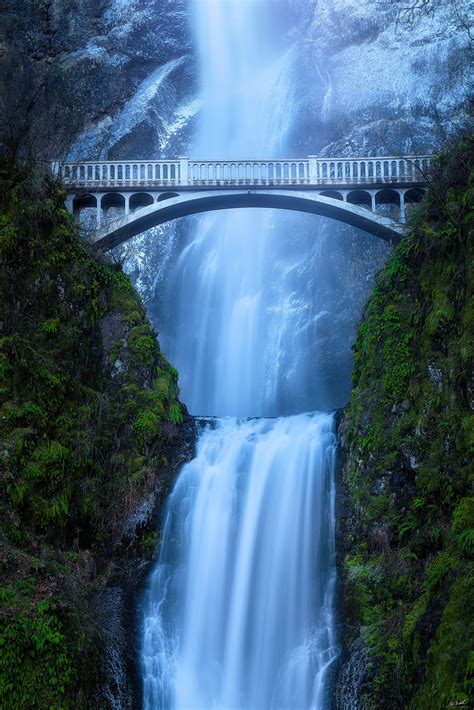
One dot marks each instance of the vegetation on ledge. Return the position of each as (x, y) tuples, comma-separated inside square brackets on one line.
[(88, 411), (407, 521)]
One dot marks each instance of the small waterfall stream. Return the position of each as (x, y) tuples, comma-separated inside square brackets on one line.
[(238, 613)]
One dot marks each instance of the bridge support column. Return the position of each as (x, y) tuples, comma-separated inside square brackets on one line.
[(313, 169), (70, 203), (127, 203), (99, 209), (372, 199), (184, 171), (403, 217)]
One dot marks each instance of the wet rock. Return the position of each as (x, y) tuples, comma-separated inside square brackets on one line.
[(436, 376), (379, 486)]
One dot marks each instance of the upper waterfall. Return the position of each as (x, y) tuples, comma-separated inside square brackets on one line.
[(238, 333), (245, 97)]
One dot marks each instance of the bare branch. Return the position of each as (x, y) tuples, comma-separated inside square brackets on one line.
[(463, 21), (407, 12)]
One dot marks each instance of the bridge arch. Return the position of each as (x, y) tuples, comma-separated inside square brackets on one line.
[(334, 194), (166, 196), (362, 198), (414, 195), (112, 199), (112, 205), (387, 196), (84, 201), (85, 209), (189, 203), (388, 202), (139, 200), (412, 198)]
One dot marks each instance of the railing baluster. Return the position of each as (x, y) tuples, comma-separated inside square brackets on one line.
[(308, 171)]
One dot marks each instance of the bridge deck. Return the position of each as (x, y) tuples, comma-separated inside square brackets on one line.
[(301, 173)]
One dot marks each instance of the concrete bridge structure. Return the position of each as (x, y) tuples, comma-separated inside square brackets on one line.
[(129, 197)]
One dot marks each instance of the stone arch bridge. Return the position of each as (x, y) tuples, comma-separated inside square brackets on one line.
[(128, 197)]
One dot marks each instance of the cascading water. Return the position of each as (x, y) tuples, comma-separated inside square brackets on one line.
[(223, 293), (238, 613), (244, 314)]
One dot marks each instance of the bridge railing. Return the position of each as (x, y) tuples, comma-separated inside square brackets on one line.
[(249, 172), (185, 172), (384, 169), (124, 172)]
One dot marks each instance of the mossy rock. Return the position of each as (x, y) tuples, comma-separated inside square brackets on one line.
[(409, 423), (81, 440)]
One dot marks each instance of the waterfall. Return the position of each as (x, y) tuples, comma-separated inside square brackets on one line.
[(239, 304), (238, 611)]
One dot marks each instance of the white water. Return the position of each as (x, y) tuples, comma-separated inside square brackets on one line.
[(239, 609), (238, 613), (233, 310)]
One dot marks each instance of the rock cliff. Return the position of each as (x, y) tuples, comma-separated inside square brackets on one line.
[(406, 512), (91, 431)]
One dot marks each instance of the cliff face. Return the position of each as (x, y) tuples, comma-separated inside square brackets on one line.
[(86, 78), (384, 81), (406, 512), (118, 78), (89, 419)]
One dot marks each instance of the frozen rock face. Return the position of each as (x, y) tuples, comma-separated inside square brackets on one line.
[(88, 78), (117, 78), (382, 84), (361, 84)]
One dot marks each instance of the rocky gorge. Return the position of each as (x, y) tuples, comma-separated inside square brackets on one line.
[(92, 430), (406, 506), (119, 79)]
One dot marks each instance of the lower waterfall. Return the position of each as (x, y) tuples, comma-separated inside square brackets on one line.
[(239, 610)]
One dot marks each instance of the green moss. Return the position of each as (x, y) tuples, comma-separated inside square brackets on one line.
[(146, 424), (449, 671), (463, 525), (80, 442), (35, 664), (410, 421), (415, 616), (143, 345), (377, 506), (175, 414), (468, 428)]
